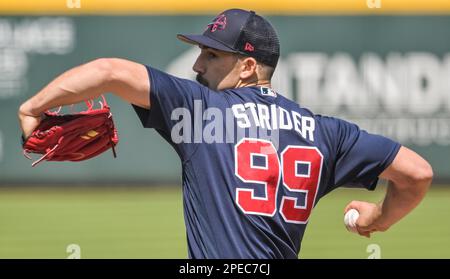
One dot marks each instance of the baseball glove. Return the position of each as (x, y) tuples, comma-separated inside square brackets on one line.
[(73, 137)]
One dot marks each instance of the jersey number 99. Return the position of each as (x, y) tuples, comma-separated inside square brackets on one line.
[(271, 172)]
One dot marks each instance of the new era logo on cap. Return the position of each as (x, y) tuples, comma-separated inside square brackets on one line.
[(240, 31), (249, 47)]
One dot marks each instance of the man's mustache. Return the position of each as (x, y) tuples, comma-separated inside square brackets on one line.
[(201, 80)]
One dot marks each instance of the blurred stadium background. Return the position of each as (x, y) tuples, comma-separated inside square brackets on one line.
[(383, 64)]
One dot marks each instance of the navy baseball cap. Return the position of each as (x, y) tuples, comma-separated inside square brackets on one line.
[(240, 31)]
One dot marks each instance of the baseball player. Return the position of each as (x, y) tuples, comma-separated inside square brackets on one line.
[(254, 163)]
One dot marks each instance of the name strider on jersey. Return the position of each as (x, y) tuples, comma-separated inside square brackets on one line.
[(273, 117)]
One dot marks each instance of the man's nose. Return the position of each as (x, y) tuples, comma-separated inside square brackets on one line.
[(198, 67)]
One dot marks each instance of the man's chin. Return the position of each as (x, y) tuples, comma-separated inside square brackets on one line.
[(202, 81)]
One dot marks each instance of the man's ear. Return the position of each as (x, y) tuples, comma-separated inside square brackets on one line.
[(248, 68)]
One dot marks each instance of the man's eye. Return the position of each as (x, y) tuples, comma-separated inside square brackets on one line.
[(211, 55)]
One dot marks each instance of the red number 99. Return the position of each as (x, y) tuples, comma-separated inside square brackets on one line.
[(269, 177)]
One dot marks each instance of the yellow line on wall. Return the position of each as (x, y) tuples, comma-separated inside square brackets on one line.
[(211, 7)]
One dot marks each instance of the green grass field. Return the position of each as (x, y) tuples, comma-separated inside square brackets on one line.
[(148, 223)]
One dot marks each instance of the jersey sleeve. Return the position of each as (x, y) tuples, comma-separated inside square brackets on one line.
[(172, 101), (360, 157)]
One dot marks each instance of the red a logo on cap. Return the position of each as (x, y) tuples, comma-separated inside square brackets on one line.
[(249, 47), (219, 22)]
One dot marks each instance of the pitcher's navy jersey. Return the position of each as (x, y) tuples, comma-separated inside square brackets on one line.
[(255, 164)]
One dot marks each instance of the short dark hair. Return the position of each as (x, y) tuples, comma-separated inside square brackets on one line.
[(268, 71)]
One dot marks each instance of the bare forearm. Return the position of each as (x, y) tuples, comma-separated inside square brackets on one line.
[(409, 178), (80, 83), (399, 201)]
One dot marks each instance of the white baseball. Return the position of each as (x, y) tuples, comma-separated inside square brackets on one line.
[(350, 220)]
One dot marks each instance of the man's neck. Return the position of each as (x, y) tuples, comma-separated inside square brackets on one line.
[(262, 83)]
